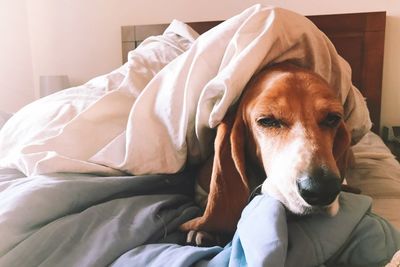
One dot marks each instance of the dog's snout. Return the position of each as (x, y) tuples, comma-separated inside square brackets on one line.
[(320, 188)]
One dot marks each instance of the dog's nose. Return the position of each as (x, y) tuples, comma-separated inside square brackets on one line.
[(319, 188)]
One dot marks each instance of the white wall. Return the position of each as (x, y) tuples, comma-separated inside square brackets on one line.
[(82, 38), (15, 56)]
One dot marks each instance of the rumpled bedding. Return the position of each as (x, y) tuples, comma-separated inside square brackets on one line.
[(355, 237), (88, 220), (52, 215), (157, 113), (377, 174), (85, 220)]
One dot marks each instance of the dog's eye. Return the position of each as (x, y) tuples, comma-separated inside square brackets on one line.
[(270, 122), (332, 120)]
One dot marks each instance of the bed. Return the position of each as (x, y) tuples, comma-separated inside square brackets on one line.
[(359, 38), (99, 215)]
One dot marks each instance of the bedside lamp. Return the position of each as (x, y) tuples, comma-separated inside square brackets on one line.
[(52, 83)]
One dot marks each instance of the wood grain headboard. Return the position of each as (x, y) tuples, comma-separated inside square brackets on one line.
[(358, 37)]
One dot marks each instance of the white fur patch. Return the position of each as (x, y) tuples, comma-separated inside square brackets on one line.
[(285, 167)]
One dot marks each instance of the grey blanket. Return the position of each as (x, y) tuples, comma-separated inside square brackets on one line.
[(86, 220)]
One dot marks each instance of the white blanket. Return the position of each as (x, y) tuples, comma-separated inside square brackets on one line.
[(147, 118)]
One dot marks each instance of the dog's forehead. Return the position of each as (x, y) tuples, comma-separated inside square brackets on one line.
[(290, 86), (277, 83)]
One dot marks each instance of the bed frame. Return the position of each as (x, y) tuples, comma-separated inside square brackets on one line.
[(358, 37)]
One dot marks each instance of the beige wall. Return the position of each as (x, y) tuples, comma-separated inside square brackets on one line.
[(15, 56), (82, 38)]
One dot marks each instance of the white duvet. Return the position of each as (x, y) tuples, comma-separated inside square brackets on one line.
[(157, 112)]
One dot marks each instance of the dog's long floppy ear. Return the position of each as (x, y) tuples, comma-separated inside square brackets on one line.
[(229, 189), (341, 149)]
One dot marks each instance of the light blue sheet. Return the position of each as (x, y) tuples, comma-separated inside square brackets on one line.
[(355, 237), (87, 220)]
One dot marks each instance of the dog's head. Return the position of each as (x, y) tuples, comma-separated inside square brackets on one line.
[(293, 123), (289, 128)]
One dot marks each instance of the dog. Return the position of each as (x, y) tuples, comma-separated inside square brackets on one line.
[(288, 135)]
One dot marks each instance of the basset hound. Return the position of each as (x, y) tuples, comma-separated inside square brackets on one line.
[(287, 128)]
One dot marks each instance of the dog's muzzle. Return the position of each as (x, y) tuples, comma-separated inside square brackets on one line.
[(319, 188)]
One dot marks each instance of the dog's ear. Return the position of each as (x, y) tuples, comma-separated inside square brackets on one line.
[(341, 149), (228, 186)]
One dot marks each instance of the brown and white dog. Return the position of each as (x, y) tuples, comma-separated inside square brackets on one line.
[(289, 128)]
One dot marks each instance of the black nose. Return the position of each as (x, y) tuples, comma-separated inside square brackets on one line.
[(319, 188)]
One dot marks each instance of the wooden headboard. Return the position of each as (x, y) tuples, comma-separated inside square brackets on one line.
[(358, 37)]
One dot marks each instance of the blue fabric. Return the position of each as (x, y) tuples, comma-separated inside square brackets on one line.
[(86, 220), (355, 237), (264, 237)]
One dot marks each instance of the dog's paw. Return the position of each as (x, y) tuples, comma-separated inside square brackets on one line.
[(204, 239), (200, 239)]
